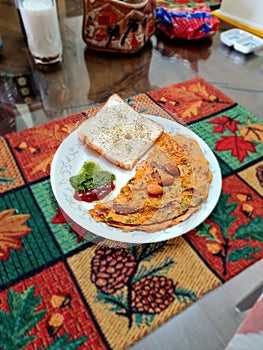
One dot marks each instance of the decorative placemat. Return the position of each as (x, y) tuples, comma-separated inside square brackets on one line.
[(59, 290)]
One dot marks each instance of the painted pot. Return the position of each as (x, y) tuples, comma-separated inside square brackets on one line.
[(118, 26)]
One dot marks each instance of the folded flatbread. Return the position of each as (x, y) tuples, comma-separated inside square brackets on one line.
[(169, 186)]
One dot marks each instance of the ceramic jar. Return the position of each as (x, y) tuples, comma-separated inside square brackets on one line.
[(118, 26)]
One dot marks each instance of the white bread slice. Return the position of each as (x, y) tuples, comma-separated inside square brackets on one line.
[(119, 133)]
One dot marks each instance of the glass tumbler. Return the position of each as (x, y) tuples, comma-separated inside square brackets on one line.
[(41, 25)]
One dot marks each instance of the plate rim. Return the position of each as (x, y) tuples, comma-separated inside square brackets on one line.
[(152, 237)]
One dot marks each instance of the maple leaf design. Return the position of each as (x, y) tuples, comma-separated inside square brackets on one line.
[(193, 97), (199, 90), (54, 137), (43, 166), (12, 228), (252, 131), (237, 144), (192, 110), (59, 132), (224, 122), (62, 218)]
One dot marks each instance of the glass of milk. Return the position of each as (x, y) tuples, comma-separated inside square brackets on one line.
[(41, 24)]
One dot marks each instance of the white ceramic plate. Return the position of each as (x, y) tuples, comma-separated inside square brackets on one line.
[(71, 155)]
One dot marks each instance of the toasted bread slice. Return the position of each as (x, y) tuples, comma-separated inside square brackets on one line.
[(119, 133)]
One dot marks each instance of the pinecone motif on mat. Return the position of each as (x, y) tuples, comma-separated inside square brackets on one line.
[(111, 269), (152, 295), (259, 174)]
